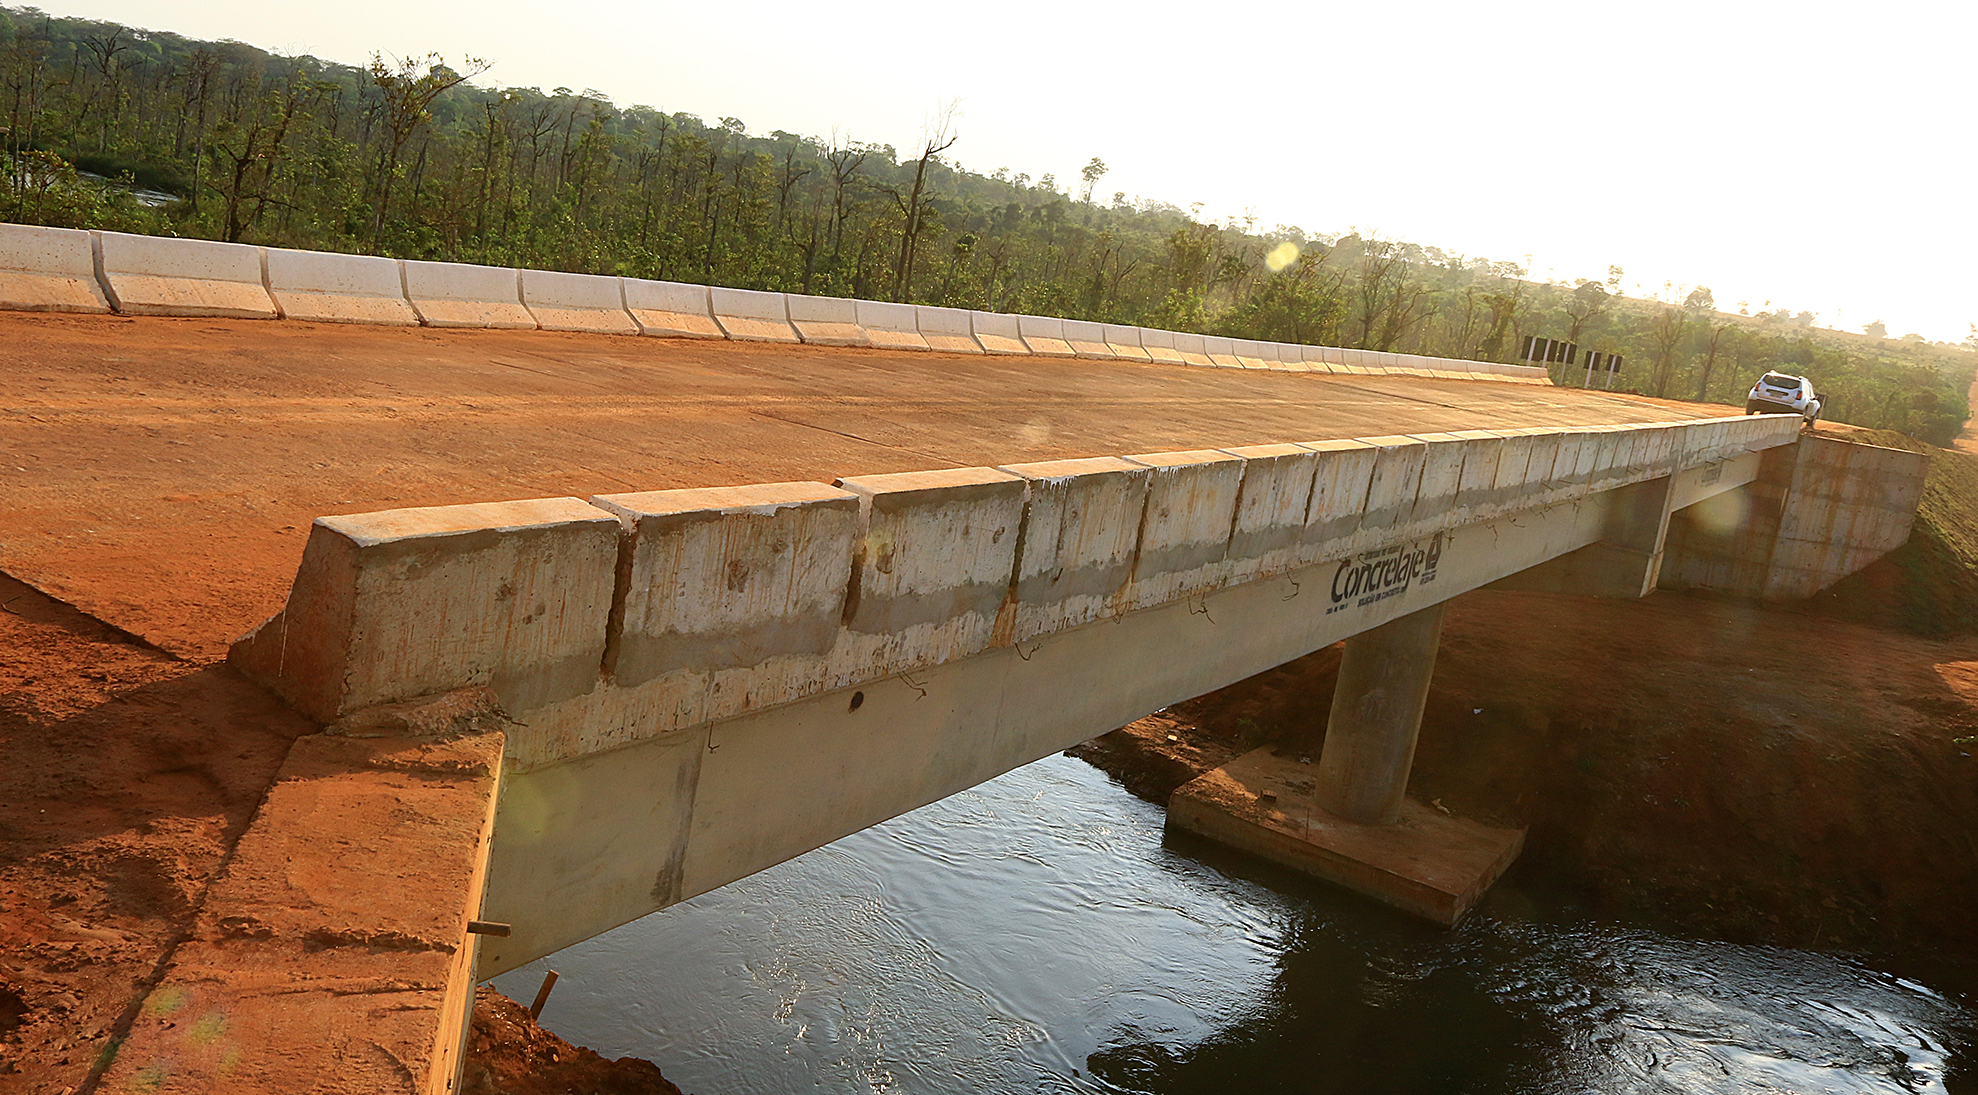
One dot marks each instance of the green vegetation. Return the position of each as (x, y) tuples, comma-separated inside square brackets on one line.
[(408, 158)]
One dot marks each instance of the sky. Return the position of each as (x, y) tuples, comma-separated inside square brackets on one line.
[(1813, 155)]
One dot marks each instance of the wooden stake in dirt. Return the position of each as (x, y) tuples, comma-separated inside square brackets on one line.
[(542, 995)]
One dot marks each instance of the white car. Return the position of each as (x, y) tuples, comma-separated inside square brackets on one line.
[(1783, 393)]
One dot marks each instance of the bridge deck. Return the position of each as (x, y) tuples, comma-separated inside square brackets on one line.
[(161, 473)]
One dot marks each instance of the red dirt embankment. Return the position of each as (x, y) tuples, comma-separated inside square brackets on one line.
[(129, 776), (508, 1054)]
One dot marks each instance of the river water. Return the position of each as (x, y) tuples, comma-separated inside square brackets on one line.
[(1036, 934)]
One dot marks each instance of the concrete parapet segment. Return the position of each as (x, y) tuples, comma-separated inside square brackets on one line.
[(1159, 346), (156, 276), (48, 270), (1184, 532), (455, 294), (667, 309), (1271, 508), (1342, 472), (998, 333), (932, 568), (577, 302), (1441, 482), (1045, 336), (730, 598), (393, 605), (1088, 339), (1193, 348), (310, 966), (946, 329), (826, 321), (1391, 490), (892, 326), (1081, 532), (1249, 353), (326, 288), (1125, 344), (748, 315), (1221, 351)]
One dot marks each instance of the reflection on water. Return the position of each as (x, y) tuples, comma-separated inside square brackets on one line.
[(1036, 935)]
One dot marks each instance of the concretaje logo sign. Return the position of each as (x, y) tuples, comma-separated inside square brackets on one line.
[(1376, 575)]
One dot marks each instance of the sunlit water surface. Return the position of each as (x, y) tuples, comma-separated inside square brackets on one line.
[(1036, 935)]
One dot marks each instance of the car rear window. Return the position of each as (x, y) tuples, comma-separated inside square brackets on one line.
[(1778, 381)]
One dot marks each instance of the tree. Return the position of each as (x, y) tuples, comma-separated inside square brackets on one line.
[(1391, 298), (1719, 334), (409, 86), (1877, 329), (914, 204), (1700, 300), (1091, 173), (1585, 307), (1665, 333)]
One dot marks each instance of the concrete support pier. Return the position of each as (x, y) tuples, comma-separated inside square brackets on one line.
[(1349, 820), (1376, 717)]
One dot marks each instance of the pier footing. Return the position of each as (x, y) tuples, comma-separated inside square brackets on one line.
[(1425, 862)]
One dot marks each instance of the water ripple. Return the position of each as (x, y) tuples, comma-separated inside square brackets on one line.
[(1037, 934)]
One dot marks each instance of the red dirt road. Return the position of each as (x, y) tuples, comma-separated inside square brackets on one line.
[(161, 474)]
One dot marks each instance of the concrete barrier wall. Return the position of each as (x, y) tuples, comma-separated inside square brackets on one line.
[(1193, 348), (577, 302), (45, 269), (669, 309), (455, 294), (1221, 351), (326, 288), (947, 329), (48, 270), (155, 276), (892, 326), (1159, 346), (394, 605), (826, 321), (1124, 342), (998, 333), (1044, 336), (750, 316), (1088, 340)]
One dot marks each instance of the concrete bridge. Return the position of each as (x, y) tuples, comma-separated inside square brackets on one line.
[(581, 708), (702, 683)]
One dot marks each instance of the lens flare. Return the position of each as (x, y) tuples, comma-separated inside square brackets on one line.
[(1281, 256), (1723, 514)]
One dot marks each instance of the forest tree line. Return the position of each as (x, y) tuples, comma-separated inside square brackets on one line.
[(144, 131)]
